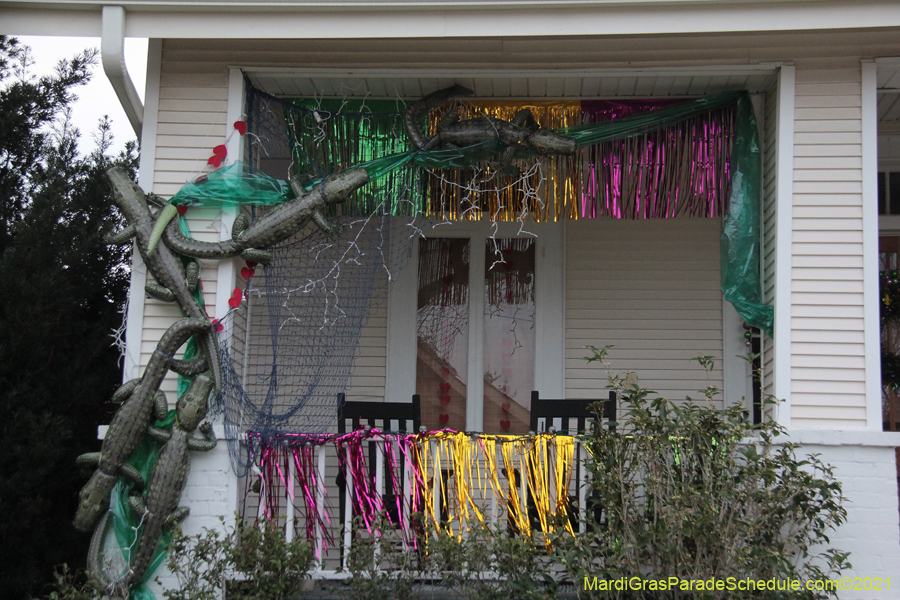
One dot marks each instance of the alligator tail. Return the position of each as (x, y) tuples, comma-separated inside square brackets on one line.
[(181, 244), (211, 348), (115, 588), (415, 112), (162, 219)]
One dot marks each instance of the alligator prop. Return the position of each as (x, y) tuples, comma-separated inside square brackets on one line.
[(173, 265), (175, 282), (522, 134), (159, 511), (277, 225), (142, 402)]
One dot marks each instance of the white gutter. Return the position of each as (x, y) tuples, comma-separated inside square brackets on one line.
[(112, 55)]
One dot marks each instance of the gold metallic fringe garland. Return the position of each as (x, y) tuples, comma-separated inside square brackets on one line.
[(473, 462), (494, 194)]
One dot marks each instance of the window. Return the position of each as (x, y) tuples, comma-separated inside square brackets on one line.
[(889, 193), (464, 325)]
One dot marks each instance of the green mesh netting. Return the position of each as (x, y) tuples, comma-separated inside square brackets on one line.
[(741, 235), (126, 526)]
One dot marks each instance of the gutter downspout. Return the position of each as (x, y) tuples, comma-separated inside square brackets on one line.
[(112, 55)]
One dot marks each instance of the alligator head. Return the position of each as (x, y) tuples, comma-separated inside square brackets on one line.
[(191, 408)]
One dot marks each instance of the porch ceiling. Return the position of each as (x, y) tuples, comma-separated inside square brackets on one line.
[(560, 83)]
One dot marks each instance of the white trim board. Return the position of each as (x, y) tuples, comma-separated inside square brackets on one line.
[(456, 18), (146, 174), (764, 68), (871, 302), (784, 145)]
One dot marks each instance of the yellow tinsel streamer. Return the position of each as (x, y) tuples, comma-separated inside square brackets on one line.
[(511, 449), (487, 192), (543, 464), (565, 454)]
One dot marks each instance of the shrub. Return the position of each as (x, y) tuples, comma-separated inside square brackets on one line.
[(697, 492), (254, 562), (489, 564), (380, 566), (72, 585)]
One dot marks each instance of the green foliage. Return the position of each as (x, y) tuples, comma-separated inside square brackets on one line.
[(72, 585), (698, 492), (271, 568), (483, 563), (488, 564), (61, 290), (380, 567), (254, 562)]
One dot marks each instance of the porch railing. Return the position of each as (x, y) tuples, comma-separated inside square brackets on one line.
[(415, 484)]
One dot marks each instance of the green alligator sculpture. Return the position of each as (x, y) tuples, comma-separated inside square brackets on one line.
[(175, 282), (142, 401), (522, 134), (158, 511), (278, 224)]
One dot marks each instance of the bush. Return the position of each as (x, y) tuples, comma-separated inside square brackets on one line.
[(72, 585), (254, 562), (489, 564), (696, 492), (380, 566)]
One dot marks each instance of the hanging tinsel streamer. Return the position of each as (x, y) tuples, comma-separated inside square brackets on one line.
[(450, 475)]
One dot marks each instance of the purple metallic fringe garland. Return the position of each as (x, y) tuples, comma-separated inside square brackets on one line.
[(678, 170), (276, 455)]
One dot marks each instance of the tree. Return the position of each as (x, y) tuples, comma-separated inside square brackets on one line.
[(61, 293)]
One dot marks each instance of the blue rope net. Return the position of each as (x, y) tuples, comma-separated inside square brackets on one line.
[(295, 338)]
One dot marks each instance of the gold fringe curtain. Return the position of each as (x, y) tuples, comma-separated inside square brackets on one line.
[(485, 192)]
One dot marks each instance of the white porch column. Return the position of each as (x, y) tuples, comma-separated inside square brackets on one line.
[(783, 232)]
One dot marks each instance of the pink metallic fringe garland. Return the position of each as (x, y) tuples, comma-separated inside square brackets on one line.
[(278, 454), (288, 470), (678, 170)]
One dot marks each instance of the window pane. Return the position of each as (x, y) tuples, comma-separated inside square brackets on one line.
[(881, 206), (894, 192), (442, 332), (508, 335)]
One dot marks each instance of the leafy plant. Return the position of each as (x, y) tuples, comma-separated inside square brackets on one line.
[(698, 492), (253, 561), (488, 564), (271, 567), (72, 585), (380, 566)]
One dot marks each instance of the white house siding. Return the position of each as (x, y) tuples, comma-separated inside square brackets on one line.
[(367, 380), (651, 289), (827, 345)]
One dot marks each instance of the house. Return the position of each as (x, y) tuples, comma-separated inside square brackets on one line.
[(823, 77)]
